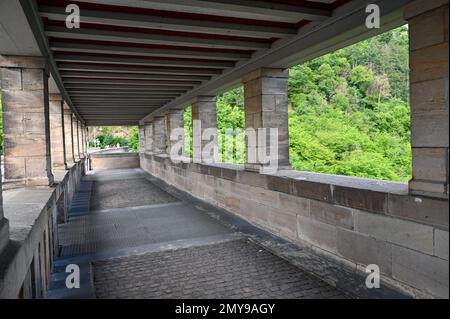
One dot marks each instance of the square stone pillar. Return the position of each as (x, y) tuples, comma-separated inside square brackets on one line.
[(148, 130), (56, 132), (175, 121), (204, 117), (428, 33), (26, 123), (266, 107), (142, 141), (68, 138), (4, 224), (159, 135), (79, 140), (76, 154)]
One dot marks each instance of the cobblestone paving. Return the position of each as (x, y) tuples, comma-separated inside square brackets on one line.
[(234, 269)]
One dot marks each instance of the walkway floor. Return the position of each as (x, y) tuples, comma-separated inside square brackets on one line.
[(135, 237)]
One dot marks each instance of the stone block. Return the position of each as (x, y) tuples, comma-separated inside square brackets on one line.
[(401, 232), (284, 222), (427, 29), (429, 63), (428, 188), (279, 184), (430, 164), (24, 146), (332, 214), (429, 129), (252, 178), (36, 167), (365, 250), (11, 79), (319, 234), (312, 190), (441, 243), (360, 199), (424, 272), (430, 95), (294, 204), (421, 209), (14, 167), (33, 79), (15, 123), (23, 101)]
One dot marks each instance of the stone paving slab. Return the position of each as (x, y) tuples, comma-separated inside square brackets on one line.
[(127, 193), (235, 269)]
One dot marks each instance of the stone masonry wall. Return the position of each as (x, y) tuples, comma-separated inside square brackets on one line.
[(406, 236)]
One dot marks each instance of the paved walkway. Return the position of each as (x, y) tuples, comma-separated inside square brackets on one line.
[(135, 237)]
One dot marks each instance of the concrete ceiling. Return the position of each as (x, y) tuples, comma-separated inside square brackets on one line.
[(131, 60)]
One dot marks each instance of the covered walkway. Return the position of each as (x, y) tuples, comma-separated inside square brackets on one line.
[(154, 241)]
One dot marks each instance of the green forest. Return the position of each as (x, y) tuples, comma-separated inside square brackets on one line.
[(349, 111)]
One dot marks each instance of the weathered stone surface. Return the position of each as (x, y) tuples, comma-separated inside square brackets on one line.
[(203, 117), (68, 138), (332, 214), (421, 271), (159, 135), (365, 250), (317, 233), (427, 29), (360, 199), (429, 63), (284, 222), (295, 204), (312, 190), (421, 209), (430, 164), (408, 234), (441, 243)]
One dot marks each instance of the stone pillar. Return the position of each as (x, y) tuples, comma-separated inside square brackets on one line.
[(266, 107), (68, 134), (175, 120), (204, 117), (4, 224), (79, 141), (159, 135), (76, 155), (56, 132), (148, 127), (428, 33), (141, 139), (26, 124)]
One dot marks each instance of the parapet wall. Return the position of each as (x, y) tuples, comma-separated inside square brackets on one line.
[(104, 161), (356, 221)]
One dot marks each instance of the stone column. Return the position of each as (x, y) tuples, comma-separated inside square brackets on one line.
[(148, 127), (4, 224), (159, 135), (76, 155), (204, 118), (26, 125), (79, 141), (68, 134), (56, 132), (428, 33), (141, 139), (175, 120), (266, 107)]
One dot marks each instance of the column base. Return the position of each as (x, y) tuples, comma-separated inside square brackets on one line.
[(4, 233), (428, 189)]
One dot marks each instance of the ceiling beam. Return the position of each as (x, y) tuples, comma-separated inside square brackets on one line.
[(261, 10), (168, 23), (106, 75), (149, 52), (111, 59), (138, 70), (120, 92), (123, 88), (122, 82), (150, 38)]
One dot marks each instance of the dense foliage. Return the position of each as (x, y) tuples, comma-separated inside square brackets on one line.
[(349, 111), (110, 136)]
